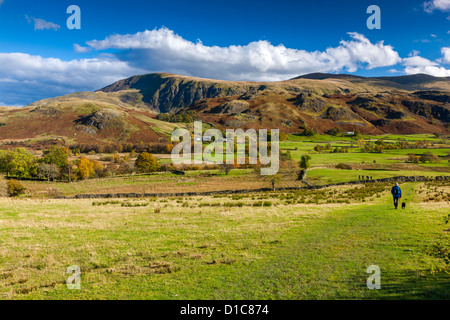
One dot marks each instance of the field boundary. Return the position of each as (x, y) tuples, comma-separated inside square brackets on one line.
[(210, 193)]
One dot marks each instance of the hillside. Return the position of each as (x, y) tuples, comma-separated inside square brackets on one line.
[(405, 104), (126, 110), (84, 117)]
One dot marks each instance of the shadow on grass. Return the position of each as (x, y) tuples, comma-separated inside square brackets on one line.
[(410, 285)]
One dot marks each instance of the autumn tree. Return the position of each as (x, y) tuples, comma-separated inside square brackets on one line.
[(15, 188), (146, 163), (413, 158), (99, 171), (86, 168)]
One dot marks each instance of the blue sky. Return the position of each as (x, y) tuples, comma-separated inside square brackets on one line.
[(231, 40)]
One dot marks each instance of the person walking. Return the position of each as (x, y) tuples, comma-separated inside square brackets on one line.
[(397, 194)]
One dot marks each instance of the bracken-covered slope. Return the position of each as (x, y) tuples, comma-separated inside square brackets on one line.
[(370, 105), (84, 117), (406, 104)]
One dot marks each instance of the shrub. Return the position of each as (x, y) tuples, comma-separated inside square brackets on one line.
[(344, 166), (15, 188)]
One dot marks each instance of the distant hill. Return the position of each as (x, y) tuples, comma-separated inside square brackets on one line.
[(85, 117), (409, 82), (126, 110)]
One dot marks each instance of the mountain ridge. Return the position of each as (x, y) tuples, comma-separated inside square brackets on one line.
[(126, 110), (164, 92)]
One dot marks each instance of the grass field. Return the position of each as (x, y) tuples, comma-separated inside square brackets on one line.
[(303, 244), (191, 251)]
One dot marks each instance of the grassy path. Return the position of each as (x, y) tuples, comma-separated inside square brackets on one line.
[(329, 259)]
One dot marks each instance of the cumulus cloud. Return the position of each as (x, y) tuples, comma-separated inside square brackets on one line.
[(445, 55), (417, 64), (40, 24), (25, 78), (442, 5), (163, 50)]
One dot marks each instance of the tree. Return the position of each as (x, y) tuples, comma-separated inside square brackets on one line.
[(116, 158), (304, 162), (98, 169), (86, 168), (334, 132), (49, 171), (146, 163), (309, 132), (274, 180), (57, 155), (413, 158), (318, 148), (19, 163), (429, 157), (286, 156)]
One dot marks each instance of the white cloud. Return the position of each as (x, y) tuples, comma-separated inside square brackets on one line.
[(442, 5), (446, 55), (418, 61), (81, 49), (1, 2), (25, 78), (40, 24), (163, 50), (431, 70), (417, 64)]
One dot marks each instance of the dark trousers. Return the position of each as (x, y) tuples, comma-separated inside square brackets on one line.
[(396, 202)]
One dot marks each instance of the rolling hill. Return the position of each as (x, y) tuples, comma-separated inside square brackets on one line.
[(125, 111)]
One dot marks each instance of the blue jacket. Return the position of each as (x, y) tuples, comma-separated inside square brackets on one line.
[(396, 192)]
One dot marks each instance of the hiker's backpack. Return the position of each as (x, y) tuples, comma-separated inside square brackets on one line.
[(396, 191)]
